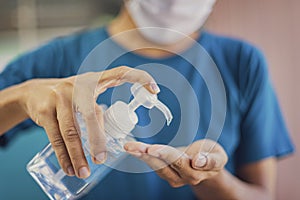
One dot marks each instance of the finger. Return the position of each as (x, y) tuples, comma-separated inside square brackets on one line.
[(178, 160), (96, 136), (58, 145), (136, 147), (162, 169), (167, 153), (84, 102), (69, 132), (209, 161), (122, 74), (140, 149)]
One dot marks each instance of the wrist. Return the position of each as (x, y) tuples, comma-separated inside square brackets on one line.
[(12, 96), (21, 92), (220, 182), (209, 182), (213, 180), (11, 110), (13, 99)]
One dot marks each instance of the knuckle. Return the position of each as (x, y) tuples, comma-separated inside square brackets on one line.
[(43, 110), (162, 171), (178, 164), (71, 134), (122, 70), (57, 143), (60, 88), (175, 184), (64, 84), (194, 181), (144, 74)]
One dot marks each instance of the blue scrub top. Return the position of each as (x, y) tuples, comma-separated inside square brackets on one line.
[(253, 130)]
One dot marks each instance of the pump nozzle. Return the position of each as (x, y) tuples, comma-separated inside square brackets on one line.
[(165, 110), (148, 100)]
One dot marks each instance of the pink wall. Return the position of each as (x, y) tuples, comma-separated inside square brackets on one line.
[(274, 27)]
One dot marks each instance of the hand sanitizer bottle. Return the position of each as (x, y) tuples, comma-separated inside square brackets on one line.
[(119, 120)]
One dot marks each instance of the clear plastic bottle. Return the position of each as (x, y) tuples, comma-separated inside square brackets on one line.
[(120, 119)]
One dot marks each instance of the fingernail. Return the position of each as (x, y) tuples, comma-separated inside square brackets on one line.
[(201, 161), (70, 171), (136, 148), (84, 172), (154, 87), (126, 147), (101, 157)]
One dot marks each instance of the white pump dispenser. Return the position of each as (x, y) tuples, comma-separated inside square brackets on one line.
[(119, 120)]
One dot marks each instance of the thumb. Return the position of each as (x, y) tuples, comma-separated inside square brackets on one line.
[(208, 161)]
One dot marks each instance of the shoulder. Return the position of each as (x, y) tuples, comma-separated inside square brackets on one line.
[(235, 55), (74, 44), (231, 47), (83, 38), (73, 49)]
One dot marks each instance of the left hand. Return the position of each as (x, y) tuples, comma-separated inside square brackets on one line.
[(184, 165)]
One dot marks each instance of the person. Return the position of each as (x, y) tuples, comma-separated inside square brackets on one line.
[(242, 165)]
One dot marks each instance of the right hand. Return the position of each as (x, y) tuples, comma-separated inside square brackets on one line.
[(50, 103)]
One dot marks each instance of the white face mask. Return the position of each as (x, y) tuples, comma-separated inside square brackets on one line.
[(169, 21)]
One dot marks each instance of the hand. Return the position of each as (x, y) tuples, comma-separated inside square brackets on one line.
[(51, 103), (180, 166)]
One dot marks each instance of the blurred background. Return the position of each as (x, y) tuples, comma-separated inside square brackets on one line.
[(25, 24), (273, 26)]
